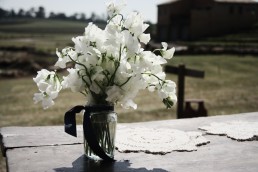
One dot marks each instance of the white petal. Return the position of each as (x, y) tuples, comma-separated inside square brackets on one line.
[(61, 63), (38, 97), (164, 45), (94, 87), (43, 86), (144, 38), (169, 53), (47, 102), (145, 26), (129, 103)]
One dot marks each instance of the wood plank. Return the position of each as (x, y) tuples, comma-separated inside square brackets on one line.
[(14, 137), (187, 72), (194, 73), (171, 69)]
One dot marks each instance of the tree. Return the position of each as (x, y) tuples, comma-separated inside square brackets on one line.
[(82, 17), (28, 14), (12, 14), (21, 13), (61, 16), (74, 16), (93, 16), (3, 13), (41, 12), (32, 12), (52, 15)]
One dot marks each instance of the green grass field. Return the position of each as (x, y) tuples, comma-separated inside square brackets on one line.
[(44, 26), (41, 34)]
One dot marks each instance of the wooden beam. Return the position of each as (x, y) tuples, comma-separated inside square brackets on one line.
[(187, 72), (181, 90), (194, 73)]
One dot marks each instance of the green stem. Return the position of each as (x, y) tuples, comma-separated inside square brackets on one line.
[(115, 16), (86, 70), (103, 91), (88, 85), (106, 75), (117, 66), (128, 79), (161, 81), (83, 93)]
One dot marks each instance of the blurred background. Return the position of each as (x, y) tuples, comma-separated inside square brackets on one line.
[(217, 37)]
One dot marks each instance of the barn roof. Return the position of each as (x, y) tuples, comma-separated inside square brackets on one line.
[(226, 1), (237, 1), (167, 2)]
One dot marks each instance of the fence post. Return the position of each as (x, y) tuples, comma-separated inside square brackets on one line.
[(181, 86)]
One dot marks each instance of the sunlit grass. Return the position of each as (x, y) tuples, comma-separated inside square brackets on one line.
[(229, 87)]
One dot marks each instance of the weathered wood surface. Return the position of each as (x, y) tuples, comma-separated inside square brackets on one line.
[(50, 149)]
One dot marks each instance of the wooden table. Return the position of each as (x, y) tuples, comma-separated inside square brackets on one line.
[(38, 149)]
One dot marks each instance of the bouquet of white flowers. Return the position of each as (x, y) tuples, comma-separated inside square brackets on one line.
[(110, 65)]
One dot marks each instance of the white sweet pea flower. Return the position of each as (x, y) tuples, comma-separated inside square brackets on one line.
[(46, 101), (81, 44), (49, 87), (170, 100), (130, 91), (113, 9), (134, 23), (162, 94), (114, 26), (167, 54), (129, 103), (42, 75), (38, 97), (72, 55), (169, 86), (73, 81), (151, 60), (172, 97), (114, 93), (42, 85), (93, 37), (52, 92), (46, 79), (131, 43), (66, 56), (167, 93)]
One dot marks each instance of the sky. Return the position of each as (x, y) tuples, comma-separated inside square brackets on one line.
[(148, 8)]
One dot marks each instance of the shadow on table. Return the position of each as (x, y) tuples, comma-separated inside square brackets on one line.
[(82, 164)]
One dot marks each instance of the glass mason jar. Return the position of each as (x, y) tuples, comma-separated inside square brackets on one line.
[(104, 126)]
